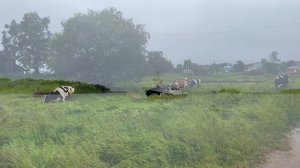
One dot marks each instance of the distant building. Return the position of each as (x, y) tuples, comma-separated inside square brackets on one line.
[(255, 66), (188, 71), (293, 70), (227, 68)]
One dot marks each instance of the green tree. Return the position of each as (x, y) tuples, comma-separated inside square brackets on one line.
[(28, 41), (179, 68), (274, 57), (291, 63), (263, 61), (284, 65), (157, 63), (197, 69), (100, 47), (8, 64), (239, 66), (272, 65), (214, 67), (187, 63)]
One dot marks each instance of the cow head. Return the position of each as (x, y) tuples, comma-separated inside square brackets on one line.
[(68, 89), (71, 90)]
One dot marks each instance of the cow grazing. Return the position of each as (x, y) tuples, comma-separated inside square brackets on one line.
[(281, 81), (179, 84), (159, 90), (199, 82), (194, 83), (53, 96), (59, 94)]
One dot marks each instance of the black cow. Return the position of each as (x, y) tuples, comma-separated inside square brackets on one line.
[(281, 81), (160, 89)]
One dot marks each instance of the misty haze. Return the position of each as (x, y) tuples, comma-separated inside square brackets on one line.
[(116, 83)]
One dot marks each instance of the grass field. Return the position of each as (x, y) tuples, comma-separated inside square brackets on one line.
[(234, 127)]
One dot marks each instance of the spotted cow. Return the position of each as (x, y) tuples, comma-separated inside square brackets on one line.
[(59, 94)]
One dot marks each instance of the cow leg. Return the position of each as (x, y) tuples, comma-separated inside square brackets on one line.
[(46, 99)]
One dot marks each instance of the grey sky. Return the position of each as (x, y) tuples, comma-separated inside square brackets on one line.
[(202, 30)]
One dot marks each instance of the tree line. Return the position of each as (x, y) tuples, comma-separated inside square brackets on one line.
[(96, 47), (271, 65)]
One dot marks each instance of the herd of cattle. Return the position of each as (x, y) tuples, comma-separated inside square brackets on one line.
[(63, 92), (172, 89)]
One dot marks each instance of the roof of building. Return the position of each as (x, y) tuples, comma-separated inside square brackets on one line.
[(294, 67)]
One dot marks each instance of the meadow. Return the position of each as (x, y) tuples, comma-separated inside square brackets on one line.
[(231, 121)]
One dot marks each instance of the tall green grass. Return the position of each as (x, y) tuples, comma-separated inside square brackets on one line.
[(214, 126)]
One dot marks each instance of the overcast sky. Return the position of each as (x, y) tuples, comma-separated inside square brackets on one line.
[(201, 30)]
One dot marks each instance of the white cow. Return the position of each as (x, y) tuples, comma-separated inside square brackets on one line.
[(59, 93), (194, 83), (199, 82)]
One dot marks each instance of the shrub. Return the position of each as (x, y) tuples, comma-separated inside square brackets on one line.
[(290, 91), (230, 90)]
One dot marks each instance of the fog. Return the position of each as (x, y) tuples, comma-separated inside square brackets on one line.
[(149, 83), (202, 30)]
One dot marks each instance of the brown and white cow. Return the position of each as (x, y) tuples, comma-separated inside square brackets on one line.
[(179, 84)]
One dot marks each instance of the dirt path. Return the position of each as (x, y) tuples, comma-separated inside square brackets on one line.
[(286, 159)]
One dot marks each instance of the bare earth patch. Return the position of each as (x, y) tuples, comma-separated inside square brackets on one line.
[(286, 159)]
